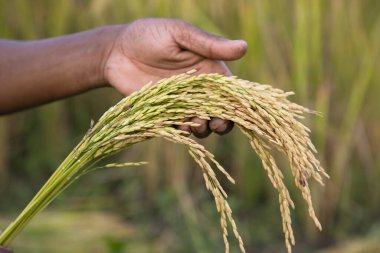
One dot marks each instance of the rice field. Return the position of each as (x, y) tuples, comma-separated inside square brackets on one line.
[(325, 51)]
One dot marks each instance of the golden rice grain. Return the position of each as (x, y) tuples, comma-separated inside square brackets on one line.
[(263, 114)]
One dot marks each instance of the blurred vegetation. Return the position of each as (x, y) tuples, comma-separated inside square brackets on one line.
[(328, 52)]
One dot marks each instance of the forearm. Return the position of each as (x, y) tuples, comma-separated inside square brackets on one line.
[(36, 72)]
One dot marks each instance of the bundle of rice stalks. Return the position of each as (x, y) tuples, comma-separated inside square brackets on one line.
[(262, 113)]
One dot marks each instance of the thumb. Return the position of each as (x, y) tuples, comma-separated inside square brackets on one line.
[(208, 45)]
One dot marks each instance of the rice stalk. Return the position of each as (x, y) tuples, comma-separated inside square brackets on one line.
[(263, 114)]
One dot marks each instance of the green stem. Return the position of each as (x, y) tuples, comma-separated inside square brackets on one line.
[(60, 180)]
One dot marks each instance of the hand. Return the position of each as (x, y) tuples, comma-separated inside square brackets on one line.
[(151, 49)]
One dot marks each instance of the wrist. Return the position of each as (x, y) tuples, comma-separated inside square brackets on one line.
[(104, 42)]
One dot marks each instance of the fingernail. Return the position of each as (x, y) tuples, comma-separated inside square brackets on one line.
[(243, 45), (241, 41)]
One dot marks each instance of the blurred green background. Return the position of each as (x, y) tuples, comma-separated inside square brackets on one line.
[(326, 51)]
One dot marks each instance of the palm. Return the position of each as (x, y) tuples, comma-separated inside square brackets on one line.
[(151, 49)]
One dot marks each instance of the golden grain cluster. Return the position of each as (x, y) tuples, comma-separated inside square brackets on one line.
[(261, 112)]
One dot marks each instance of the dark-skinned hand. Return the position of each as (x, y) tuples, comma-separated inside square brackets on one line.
[(151, 49), (125, 57)]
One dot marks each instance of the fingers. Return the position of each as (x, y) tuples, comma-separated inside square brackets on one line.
[(185, 128), (205, 127), (201, 131), (208, 45), (211, 66), (220, 126)]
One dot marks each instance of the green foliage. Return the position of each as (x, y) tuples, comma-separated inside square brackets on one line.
[(328, 51)]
